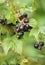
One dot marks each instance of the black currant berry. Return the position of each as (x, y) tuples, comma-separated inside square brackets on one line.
[(25, 15), (21, 33), (17, 26), (21, 27), (36, 45), (17, 22), (17, 30), (30, 27), (18, 37), (25, 28), (41, 43), (2, 21), (20, 17), (10, 24), (5, 21), (26, 20)]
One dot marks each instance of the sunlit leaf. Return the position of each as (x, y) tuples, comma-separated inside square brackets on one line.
[(2, 1)]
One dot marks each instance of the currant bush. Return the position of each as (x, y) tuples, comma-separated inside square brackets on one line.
[(22, 32)]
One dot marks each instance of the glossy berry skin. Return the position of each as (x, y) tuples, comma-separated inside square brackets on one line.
[(18, 37), (21, 33), (25, 29), (36, 45), (27, 26), (17, 30), (17, 26), (21, 27), (26, 20), (41, 43)]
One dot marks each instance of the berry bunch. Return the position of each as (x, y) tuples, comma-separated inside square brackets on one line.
[(4, 22), (21, 28), (39, 46)]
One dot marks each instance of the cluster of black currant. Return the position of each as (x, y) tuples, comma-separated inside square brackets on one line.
[(4, 22), (39, 46), (21, 28)]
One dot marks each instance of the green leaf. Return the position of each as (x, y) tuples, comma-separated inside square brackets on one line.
[(2, 1), (35, 32), (6, 44), (40, 5), (18, 45), (42, 29), (21, 3), (7, 13), (33, 22), (40, 17), (10, 42), (34, 54)]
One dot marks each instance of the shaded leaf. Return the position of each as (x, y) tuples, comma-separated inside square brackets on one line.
[(6, 44)]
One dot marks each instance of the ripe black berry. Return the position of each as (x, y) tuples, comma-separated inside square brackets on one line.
[(41, 43), (17, 30), (17, 22), (5, 19), (17, 26), (11, 24), (25, 28), (2, 21), (36, 45), (21, 33), (18, 37), (25, 15), (26, 20), (21, 27), (20, 17), (30, 27)]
